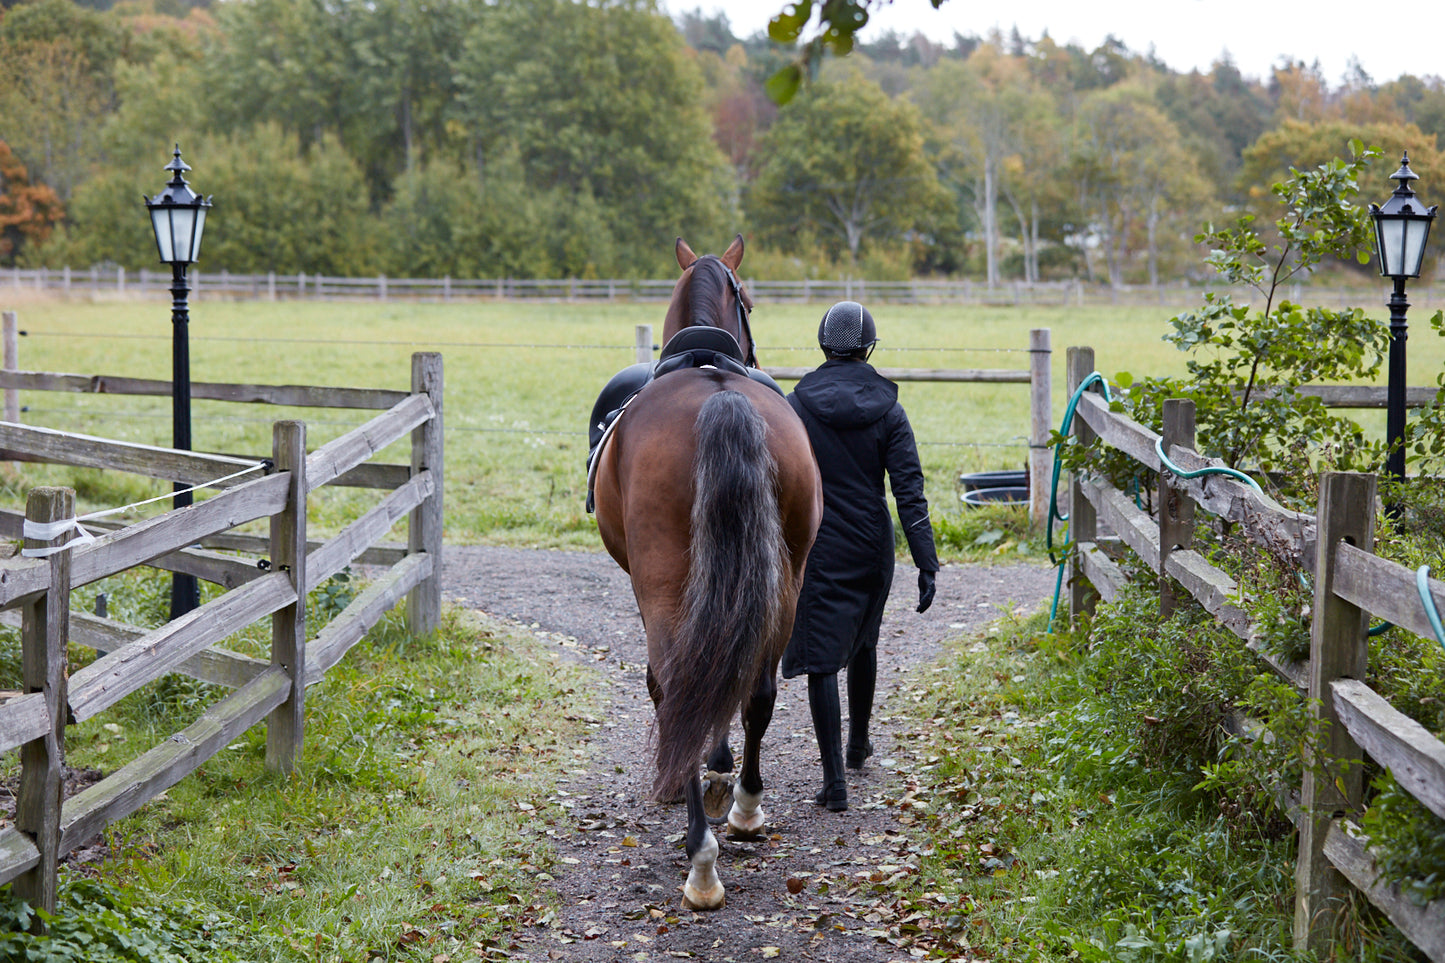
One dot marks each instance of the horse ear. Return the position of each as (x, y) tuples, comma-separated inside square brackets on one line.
[(733, 256), (685, 257)]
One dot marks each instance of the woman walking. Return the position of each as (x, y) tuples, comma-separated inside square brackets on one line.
[(859, 431)]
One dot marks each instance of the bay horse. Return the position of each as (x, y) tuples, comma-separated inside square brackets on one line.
[(708, 495)]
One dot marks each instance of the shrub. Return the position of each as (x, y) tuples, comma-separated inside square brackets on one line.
[(97, 923)]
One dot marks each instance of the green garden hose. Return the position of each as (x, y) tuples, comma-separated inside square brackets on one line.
[(1064, 426), (1374, 630), (1422, 585), (1211, 470), (1054, 489), (1422, 575)]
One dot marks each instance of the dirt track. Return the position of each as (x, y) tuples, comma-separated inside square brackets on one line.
[(621, 865)]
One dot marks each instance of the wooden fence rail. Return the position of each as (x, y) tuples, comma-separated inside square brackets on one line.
[(1072, 292), (35, 593), (1350, 584), (1038, 376), (192, 468)]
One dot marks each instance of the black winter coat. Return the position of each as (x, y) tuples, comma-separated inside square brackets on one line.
[(859, 431)]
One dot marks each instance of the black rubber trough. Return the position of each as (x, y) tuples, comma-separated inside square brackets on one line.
[(996, 487), (998, 496)]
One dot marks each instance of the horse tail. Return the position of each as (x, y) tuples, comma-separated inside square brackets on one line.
[(732, 598)]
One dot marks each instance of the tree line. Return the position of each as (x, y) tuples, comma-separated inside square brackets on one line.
[(552, 138)]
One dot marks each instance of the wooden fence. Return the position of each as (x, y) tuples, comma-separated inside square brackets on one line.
[(1068, 293), (35, 592), (1349, 584), (1038, 376)]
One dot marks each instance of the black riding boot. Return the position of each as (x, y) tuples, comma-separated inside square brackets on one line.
[(828, 727), (862, 678)]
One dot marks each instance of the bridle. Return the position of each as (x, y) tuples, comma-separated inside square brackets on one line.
[(742, 308)]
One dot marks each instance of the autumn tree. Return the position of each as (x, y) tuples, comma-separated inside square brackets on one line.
[(1005, 131), (28, 212), (1300, 92), (1418, 101), (740, 111), (1130, 169), (602, 103), (253, 227), (51, 100), (380, 77), (1218, 114), (844, 163), (1303, 146)]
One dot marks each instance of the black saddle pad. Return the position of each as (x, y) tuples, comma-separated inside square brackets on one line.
[(703, 338), (699, 347)]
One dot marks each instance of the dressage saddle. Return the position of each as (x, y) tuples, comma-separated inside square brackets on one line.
[(699, 346)]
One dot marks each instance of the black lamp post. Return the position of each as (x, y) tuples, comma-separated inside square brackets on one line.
[(178, 215), (1402, 226)]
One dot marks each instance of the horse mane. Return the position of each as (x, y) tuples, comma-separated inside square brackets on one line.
[(706, 292)]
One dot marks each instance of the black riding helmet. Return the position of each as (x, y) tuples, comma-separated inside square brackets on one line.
[(846, 329)]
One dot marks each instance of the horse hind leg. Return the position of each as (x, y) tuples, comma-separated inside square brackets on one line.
[(746, 817), (717, 782), (703, 890)]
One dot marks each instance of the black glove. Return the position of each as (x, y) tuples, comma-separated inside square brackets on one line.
[(926, 587)]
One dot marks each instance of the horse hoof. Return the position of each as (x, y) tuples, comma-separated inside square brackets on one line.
[(746, 825), (703, 901), (717, 797)]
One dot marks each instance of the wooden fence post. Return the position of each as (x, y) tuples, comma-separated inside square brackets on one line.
[(1041, 413), (1083, 522), (44, 626), (424, 527), (1339, 649), (10, 332), (286, 725), (644, 343), (1176, 508)]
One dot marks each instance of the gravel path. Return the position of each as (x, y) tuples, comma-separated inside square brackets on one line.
[(621, 863)]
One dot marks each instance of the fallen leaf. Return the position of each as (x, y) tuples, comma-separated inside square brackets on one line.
[(795, 885), (770, 952)]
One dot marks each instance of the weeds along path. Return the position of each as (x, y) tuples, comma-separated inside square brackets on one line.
[(801, 891)]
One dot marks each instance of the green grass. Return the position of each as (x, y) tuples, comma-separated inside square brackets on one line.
[(515, 411), (410, 829), (1049, 833)]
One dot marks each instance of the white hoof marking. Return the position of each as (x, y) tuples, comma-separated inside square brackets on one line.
[(703, 890), (746, 817)]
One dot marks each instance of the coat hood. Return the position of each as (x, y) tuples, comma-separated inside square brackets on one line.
[(846, 394)]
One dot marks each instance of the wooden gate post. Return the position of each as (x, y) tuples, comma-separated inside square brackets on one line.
[(10, 333), (1083, 521), (1339, 649), (424, 526), (644, 343), (1041, 413), (286, 725), (1176, 508), (44, 625)]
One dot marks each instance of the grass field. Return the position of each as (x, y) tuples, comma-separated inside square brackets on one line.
[(520, 382)]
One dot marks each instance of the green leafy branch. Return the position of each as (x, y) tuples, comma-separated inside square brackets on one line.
[(1249, 360), (838, 22)]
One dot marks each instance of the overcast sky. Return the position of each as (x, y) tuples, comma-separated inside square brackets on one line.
[(1185, 34)]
